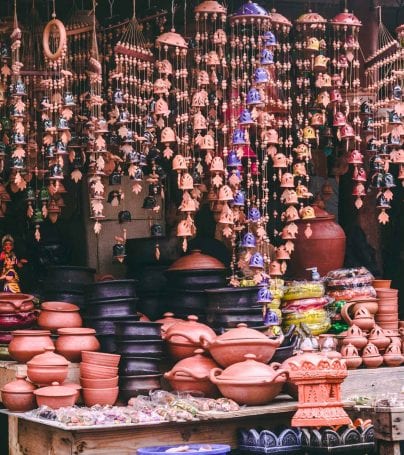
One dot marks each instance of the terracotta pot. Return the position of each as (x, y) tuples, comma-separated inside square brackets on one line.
[(101, 358), (48, 367), (185, 336), (388, 308), (362, 318), (371, 357), (351, 356), (99, 383), (55, 396), (381, 283), (91, 371), (17, 321), (72, 341), (167, 321), (232, 346), (18, 395), (74, 386), (314, 251), (192, 374), (55, 315), (28, 343), (100, 396), (378, 338), (15, 303), (354, 335), (250, 382), (371, 304), (393, 357), (353, 362)]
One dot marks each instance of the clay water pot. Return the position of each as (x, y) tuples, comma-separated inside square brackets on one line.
[(393, 357), (378, 338), (102, 397), (28, 343), (48, 367), (18, 395), (192, 374), (56, 315), (381, 283), (55, 396), (371, 356), (362, 318), (354, 335), (167, 321), (72, 341), (351, 356), (15, 303)]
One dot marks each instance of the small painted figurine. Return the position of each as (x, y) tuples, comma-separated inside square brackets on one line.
[(10, 262)]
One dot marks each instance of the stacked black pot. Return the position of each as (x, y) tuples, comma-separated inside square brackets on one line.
[(141, 348), (109, 302), (67, 284)]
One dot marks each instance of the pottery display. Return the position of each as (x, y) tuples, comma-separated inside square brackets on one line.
[(371, 356), (18, 395), (351, 356), (71, 341), (100, 358), (138, 330), (167, 320), (91, 371), (15, 303), (249, 382), (192, 373), (103, 397), (55, 396), (48, 367), (232, 346), (56, 315), (25, 344)]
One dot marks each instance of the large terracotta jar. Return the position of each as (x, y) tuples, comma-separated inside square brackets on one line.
[(57, 315), (28, 343), (72, 341), (324, 248)]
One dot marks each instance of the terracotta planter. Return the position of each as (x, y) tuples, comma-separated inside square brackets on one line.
[(90, 371), (28, 343), (18, 395), (56, 315), (15, 303), (55, 396), (101, 358), (48, 367), (381, 283), (72, 341), (102, 397), (314, 251), (99, 383)]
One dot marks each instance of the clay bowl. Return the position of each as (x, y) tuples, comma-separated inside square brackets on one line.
[(99, 383), (15, 303), (55, 315), (55, 396), (103, 397), (91, 371), (18, 395), (100, 358), (387, 317), (381, 284)]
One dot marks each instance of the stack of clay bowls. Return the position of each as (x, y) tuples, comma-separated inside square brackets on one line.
[(99, 378), (387, 314)]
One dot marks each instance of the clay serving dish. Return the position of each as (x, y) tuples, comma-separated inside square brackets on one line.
[(48, 367), (74, 386), (138, 330), (192, 373), (99, 383), (17, 321), (232, 346), (28, 343), (55, 315), (133, 366), (55, 396), (250, 382), (103, 397), (91, 371), (72, 341), (15, 303), (101, 358), (18, 395)]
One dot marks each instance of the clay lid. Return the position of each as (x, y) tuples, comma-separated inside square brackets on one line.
[(242, 332), (59, 306), (189, 331), (248, 369), (48, 358), (31, 333), (167, 321), (198, 364), (76, 331), (20, 385), (56, 390), (196, 260)]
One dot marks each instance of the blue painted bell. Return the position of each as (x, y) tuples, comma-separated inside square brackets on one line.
[(371, 145), (397, 92), (69, 99), (239, 199), (261, 76), (256, 261), (254, 214), (248, 240), (394, 139), (366, 108), (61, 148), (394, 118), (18, 138), (17, 163), (271, 318), (150, 123), (264, 295), (20, 88), (63, 124), (47, 124), (50, 151), (253, 97), (270, 39), (238, 137), (246, 118), (383, 202), (56, 171), (118, 96), (232, 159), (251, 9), (267, 57), (388, 180), (138, 175)]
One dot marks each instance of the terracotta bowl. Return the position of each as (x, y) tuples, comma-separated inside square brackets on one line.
[(90, 371), (388, 325), (99, 383), (387, 317), (100, 396), (381, 284), (388, 309), (100, 358)]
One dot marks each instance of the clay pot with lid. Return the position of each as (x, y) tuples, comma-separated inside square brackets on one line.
[(378, 338), (362, 318), (28, 343), (354, 335), (192, 374), (56, 315), (45, 368), (393, 357), (167, 321), (250, 382), (18, 395), (73, 340), (185, 336), (351, 356), (55, 396), (371, 356), (232, 346), (15, 303)]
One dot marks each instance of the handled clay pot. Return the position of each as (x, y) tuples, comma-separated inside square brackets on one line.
[(362, 318), (15, 303), (28, 343), (55, 396), (56, 315)]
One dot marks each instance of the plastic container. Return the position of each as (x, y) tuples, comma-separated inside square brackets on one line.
[(194, 449)]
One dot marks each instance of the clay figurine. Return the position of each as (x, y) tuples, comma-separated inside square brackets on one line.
[(9, 261)]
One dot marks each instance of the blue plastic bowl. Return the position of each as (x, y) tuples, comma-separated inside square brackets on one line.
[(217, 449)]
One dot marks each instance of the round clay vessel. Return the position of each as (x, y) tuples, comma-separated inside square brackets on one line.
[(28, 343), (91, 371), (15, 303), (72, 341), (100, 396), (393, 357), (101, 358), (18, 395), (387, 317), (48, 367), (99, 383), (388, 308), (56, 315), (378, 338), (55, 396), (192, 373), (167, 321), (354, 335)]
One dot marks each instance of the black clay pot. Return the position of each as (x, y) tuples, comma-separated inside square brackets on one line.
[(196, 279), (220, 320), (107, 290), (151, 278), (153, 304), (231, 298), (107, 326), (138, 330), (188, 301), (140, 348), (140, 383), (69, 277), (113, 308), (107, 343), (134, 366)]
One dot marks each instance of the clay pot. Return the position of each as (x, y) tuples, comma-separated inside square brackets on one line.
[(185, 336), (378, 338), (371, 357), (385, 292), (192, 374), (16, 321), (138, 330), (326, 236), (74, 386), (353, 306), (91, 371), (354, 335), (102, 397), (134, 366), (72, 341), (381, 284), (55, 315), (250, 382), (393, 357), (15, 303), (18, 395), (362, 318), (99, 383), (48, 367), (55, 396), (167, 321), (28, 343), (101, 358), (351, 356), (232, 346)]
